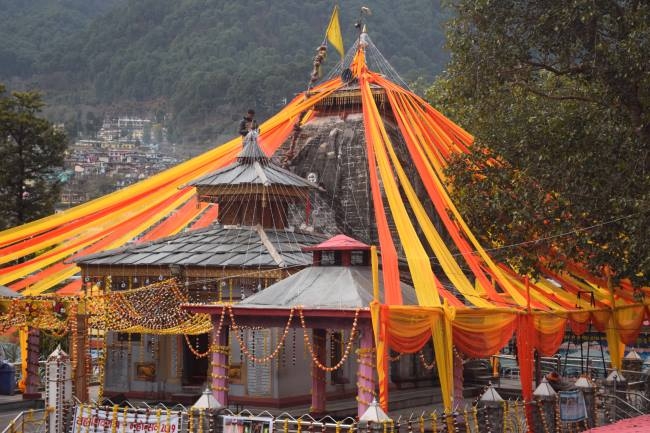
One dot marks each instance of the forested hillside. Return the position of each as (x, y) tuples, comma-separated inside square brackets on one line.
[(34, 32), (200, 62)]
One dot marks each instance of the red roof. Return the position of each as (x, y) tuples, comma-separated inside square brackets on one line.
[(339, 243)]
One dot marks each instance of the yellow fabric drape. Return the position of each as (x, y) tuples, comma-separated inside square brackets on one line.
[(477, 332), (416, 256), (69, 235), (23, 335), (628, 321)]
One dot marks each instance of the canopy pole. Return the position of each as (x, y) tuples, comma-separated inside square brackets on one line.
[(375, 272)]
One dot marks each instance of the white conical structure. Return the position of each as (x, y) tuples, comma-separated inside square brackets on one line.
[(490, 395), (544, 390), (374, 414), (58, 389), (615, 376), (207, 401), (584, 383), (633, 355)]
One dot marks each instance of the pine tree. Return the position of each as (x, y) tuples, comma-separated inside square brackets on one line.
[(31, 154)]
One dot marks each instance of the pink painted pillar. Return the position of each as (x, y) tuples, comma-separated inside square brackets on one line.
[(318, 396), (219, 362), (365, 371), (32, 381)]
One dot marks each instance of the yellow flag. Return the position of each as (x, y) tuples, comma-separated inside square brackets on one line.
[(333, 33)]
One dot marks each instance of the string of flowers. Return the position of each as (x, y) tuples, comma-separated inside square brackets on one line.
[(468, 428), (348, 347), (542, 416), (425, 364), (475, 418), (124, 413), (242, 343), (364, 357), (114, 421), (158, 418), (434, 421)]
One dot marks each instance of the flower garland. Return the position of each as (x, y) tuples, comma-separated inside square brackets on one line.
[(425, 364), (314, 357), (225, 350), (114, 421), (124, 413), (242, 344), (542, 416), (364, 357)]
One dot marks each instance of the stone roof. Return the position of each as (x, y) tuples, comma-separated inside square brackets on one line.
[(337, 287), (215, 246)]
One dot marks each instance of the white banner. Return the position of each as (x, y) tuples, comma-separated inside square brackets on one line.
[(90, 420)]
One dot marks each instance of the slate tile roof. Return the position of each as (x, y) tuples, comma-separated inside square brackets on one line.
[(217, 246)]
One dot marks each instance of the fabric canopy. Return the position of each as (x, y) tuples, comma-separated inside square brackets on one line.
[(472, 302)]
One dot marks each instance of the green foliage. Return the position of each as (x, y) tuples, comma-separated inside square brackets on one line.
[(34, 33), (31, 152), (202, 60), (559, 90)]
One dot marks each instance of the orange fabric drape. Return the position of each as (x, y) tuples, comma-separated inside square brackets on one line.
[(477, 333), (208, 217), (628, 321), (525, 347)]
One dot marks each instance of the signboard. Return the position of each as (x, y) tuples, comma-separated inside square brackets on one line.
[(572, 406), (92, 419), (247, 424)]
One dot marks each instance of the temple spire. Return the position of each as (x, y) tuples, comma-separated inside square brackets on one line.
[(251, 151)]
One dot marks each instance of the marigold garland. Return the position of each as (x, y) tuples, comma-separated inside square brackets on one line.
[(242, 344), (348, 348)]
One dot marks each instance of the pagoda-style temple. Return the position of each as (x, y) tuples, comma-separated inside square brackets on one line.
[(330, 302), (252, 245)]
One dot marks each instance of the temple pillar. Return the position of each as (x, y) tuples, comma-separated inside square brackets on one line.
[(81, 365), (219, 362), (318, 396), (365, 370), (32, 379)]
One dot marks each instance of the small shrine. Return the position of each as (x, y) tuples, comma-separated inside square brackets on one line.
[(330, 302)]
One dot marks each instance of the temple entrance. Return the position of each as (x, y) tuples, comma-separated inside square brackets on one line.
[(195, 369)]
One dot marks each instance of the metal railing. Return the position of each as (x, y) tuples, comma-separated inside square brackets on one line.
[(618, 408), (29, 421)]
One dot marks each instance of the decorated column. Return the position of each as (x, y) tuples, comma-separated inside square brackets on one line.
[(58, 390), (491, 420), (32, 379), (545, 414), (318, 397), (365, 370), (614, 384), (588, 389), (219, 361), (81, 364)]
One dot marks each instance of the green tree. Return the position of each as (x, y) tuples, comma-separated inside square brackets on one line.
[(31, 153), (559, 92)]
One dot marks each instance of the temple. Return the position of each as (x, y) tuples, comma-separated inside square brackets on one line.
[(252, 267)]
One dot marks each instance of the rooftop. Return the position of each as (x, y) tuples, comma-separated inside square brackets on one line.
[(215, 246), (253, 167)]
